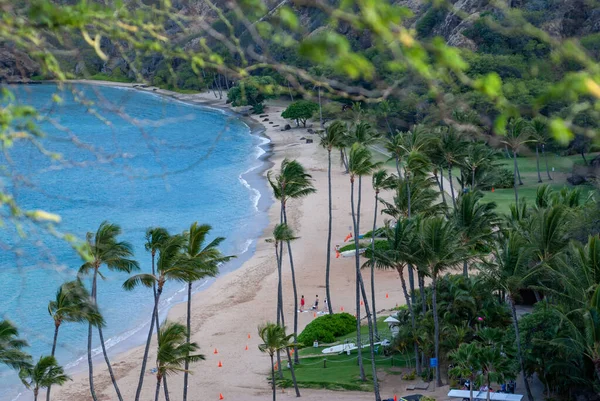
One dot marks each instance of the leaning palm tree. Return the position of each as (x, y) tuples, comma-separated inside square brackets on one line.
[(441, 249), (508, 268), (174, 351), (517, 134), (103, 248), (452, 147), (539, 133), (45, 373), (292, 182), (281, 233), (479, 157), (155, 237), (360, 164), (11, 347), (475, 222), (73, 303), (274, 340), (399, 251), (381, 181), (169, 267), (331, 138), (204, 260)]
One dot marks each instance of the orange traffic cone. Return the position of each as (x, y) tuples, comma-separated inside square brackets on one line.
[(342, 308), (493, 190), (221, 396), (387, 295), (248, 335), (337, 254), (361, 302), (314, 314), (220, 364), (246, 348), (215, 351), (395, 397)]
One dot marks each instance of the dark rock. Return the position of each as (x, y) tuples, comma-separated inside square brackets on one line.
[(270, 122), (303, 138), (576, 179), (309, 141), (310, 131), (275, 126), (266, 119), (287, 127), (263, 115)]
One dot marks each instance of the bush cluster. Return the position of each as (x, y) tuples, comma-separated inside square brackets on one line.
[(326, 328)]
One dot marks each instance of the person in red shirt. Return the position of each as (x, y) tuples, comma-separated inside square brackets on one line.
[(302, 304)]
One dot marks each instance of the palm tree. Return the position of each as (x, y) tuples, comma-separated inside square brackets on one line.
[(11, 347), (332, 137), (479, 156), (360, 164), (292, 182), (103, 248), (45, 373), (466, 360), (475, 222), (517, 135), (274, 340), (205, 261), (155, 237), (381, 180), (385, 110), (510, 270), (495, 367), (174, 351), (452, 146), (399, 252), (72, 304), (170, 266), (539, 134), (441, 249)]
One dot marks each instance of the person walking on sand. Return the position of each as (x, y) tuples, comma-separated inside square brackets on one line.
[(302, 304), (316, 305)]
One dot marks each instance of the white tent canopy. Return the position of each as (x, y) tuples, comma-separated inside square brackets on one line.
[(391, 319), (482, 395)]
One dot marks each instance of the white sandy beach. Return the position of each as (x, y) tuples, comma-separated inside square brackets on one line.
[(232, 308)]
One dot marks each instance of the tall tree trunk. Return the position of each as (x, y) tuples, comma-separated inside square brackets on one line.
[(110, 371), (472, 179), (421, 279), (507, 152), (436, 324), (518, 171), (290, 91), (89, 345), (387, 121), (546, 160), (413, 322), (585, 163), (157, 321), (344, 159), (148, 340), (56, 326), (280, 316), (358, 339), (370, 324), (441, 184), (320, 110), (273, 378), (35, 394), (189, 330), (465, 269), (328, 265), (451, 186), (156, 394), (373, 264), (515, 170), (411, 275), (295, 290), (520, 353), (537, 162), (293, 372)]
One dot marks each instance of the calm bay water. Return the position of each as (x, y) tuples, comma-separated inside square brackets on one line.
[(134, 159)]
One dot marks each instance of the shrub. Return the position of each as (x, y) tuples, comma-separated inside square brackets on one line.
[(433, 17), (326, 328), (427, 398), (301, 111), (410, 376)]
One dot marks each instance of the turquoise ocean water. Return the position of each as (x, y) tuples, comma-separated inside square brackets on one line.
[(135, 159)]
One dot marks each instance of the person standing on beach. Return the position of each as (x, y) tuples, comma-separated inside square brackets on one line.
[(302, 304), (316, 305)]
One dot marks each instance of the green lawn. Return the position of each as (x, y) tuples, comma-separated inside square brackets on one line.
[(340, 372)]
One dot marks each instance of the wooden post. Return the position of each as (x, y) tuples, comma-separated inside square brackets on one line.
[(324, 363)]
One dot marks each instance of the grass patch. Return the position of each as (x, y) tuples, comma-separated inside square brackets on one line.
[(112, 78), (341, 372)]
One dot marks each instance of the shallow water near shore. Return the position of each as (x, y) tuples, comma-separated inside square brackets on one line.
[(135, 159)]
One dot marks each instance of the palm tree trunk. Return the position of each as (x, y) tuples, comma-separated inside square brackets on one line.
[(411, 275), (293, 372), (387, 121), (465, 269), (441, 184), (585, 163), (472, 179), (471, 385), (273, 378), (436, 325), (370, 324), (290, 91), (56, 326), (189, 330), (156, 394), (451, 186), (358, 340), (373, 264), (507, 152), (89, 345), (110, 371), (158, 328), (520, 353), (537, 162), (413, 322), (280, 316), (344, 159), (320, 112), (148, 340), (328, 265), (516, 169), (289, 247), (546, 160), (35, 394)]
